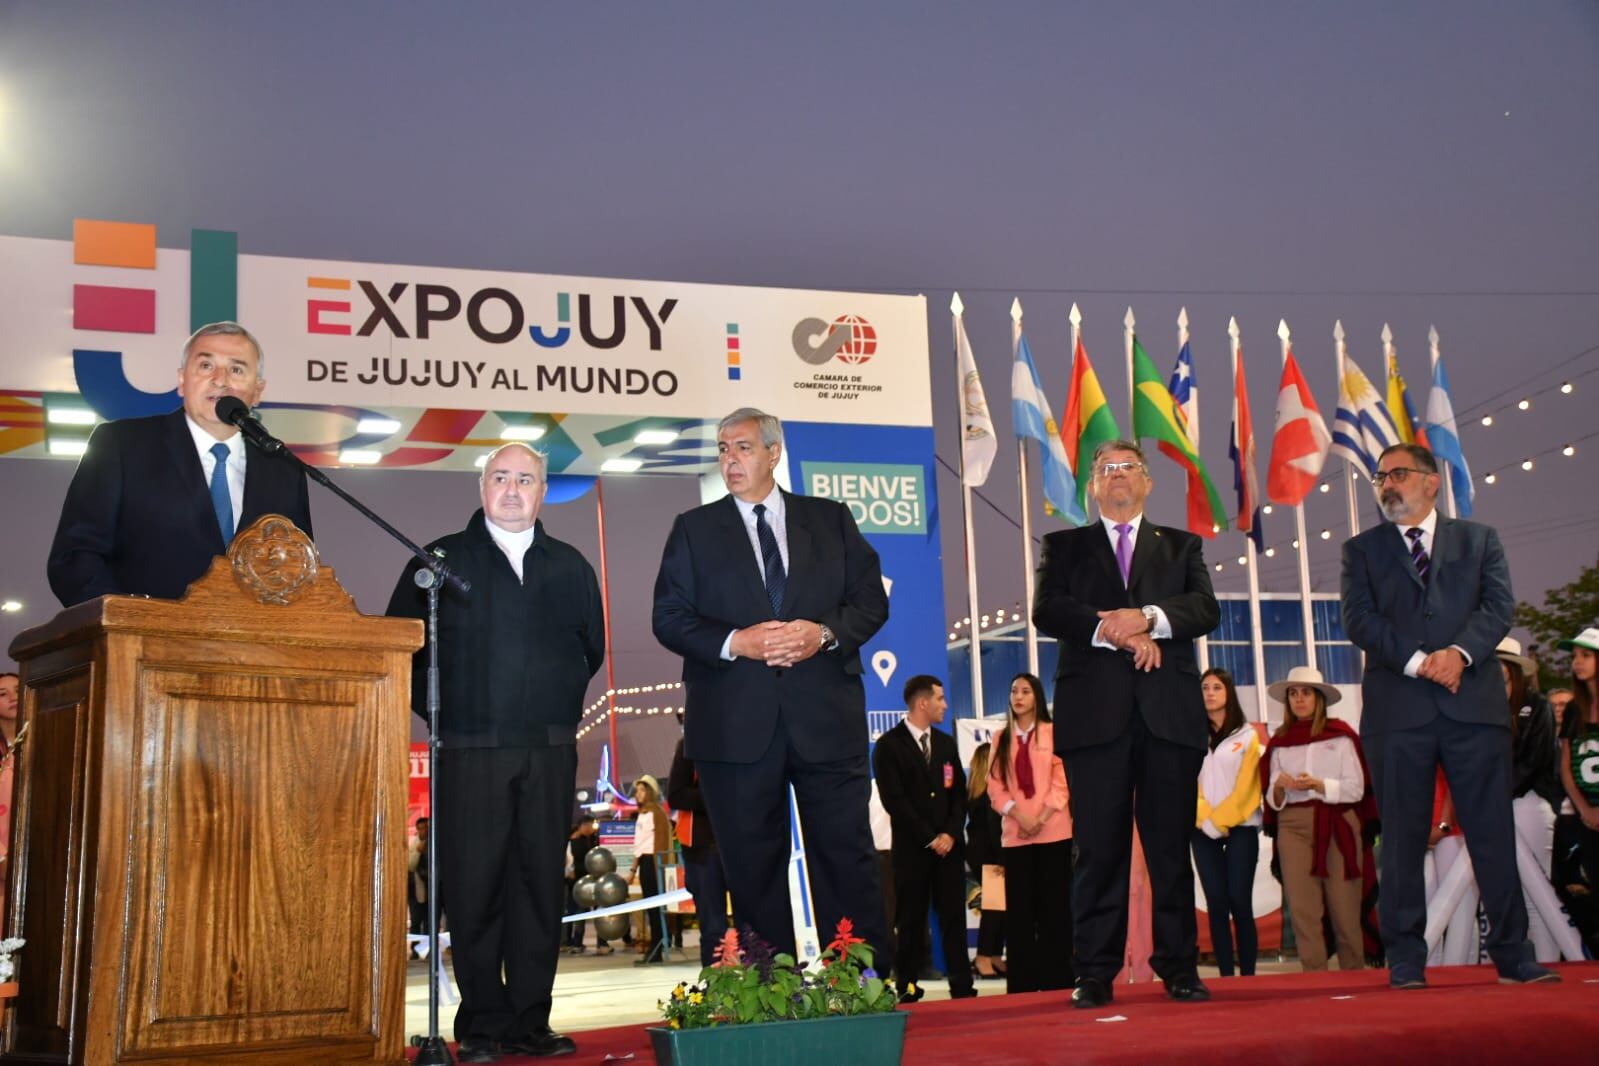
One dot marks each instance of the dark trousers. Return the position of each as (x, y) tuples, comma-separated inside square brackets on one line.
[(649, 884), (707, 883), (991, 934), (573, 935), (922, 878), (748, 804), (885, 878), (503, 819), (1476, 761), (1038, 917), (1136, 776), (1227, 874)]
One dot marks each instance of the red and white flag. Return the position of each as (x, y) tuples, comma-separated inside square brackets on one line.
[(1299, 445)]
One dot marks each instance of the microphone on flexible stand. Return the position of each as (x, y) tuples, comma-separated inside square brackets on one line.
[(236, 412)]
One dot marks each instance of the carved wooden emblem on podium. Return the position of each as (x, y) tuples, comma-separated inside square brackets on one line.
[(274, 560)]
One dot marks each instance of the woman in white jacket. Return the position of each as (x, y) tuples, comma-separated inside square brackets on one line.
[(1227, 828)]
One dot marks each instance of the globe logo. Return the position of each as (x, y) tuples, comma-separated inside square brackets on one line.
[(855, 338)]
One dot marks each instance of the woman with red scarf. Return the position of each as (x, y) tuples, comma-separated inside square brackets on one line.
[(1027, 786), (1319, 800)]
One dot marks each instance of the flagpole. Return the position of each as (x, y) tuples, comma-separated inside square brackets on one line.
[(1349, 469), (1448, 475), (1027, 511), (1202, 645), (972, 633), (1257, 647), (1306, 613), (1128, 331)]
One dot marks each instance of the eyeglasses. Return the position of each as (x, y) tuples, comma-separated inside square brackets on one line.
[(1397, 475), (1131, 467)]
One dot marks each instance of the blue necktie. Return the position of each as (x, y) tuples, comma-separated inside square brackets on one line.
[(771, 559), (221, 498)]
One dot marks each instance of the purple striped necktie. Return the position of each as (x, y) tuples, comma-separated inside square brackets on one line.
[(1124, 550), (1418, 554)]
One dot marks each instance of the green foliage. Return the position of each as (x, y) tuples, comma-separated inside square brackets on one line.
[(749, 984), (1566, 611)]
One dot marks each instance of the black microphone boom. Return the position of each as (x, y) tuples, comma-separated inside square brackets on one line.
[(236, 412)]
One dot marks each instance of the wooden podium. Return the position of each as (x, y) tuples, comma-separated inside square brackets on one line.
[(208, 855)]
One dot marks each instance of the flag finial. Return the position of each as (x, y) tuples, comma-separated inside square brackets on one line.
[(1128, 320), (1076, 316), (1182, 318), (1016, 309), (1232, 326), (1283, 331), (1387, 335), (1432, 335), (955, 305), (1338, 330)]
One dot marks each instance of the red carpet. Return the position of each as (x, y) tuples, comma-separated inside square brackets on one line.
[(1298, 1019)]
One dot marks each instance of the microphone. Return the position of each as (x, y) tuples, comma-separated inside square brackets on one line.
[(236, 412)]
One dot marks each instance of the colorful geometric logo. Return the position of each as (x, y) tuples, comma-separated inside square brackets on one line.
[(849, 338)]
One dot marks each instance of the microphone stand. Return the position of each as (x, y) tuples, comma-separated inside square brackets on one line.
[(432, 1050)]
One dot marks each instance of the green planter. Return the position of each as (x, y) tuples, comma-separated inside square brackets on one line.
[(869, 1039)]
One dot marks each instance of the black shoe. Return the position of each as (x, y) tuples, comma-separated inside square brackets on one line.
[(1091, 992), (963, 993), (477, 1049), (1187, 989), (910, 992), (1527, 972), (541, 1044), (1406, 977)]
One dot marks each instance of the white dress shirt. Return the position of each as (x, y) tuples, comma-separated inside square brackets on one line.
[(1162, 627), (1332, 759), (204, 442), (776, 515), (513, 544)]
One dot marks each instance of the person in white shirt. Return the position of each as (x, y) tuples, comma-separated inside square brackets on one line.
[(1226, 840), (1318, 800)]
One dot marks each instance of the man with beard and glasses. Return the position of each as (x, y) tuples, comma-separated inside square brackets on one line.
[(1428, 599)]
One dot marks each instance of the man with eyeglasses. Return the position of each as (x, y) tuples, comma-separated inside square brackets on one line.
[(1428, 599), (1126, 599)]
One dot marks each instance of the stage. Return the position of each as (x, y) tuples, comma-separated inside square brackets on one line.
[(1465, 1016)]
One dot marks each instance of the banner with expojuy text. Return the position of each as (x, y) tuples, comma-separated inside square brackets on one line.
[(405, 366)]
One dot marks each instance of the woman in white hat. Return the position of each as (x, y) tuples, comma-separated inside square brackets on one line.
[(1318, 798), (1579, 745)]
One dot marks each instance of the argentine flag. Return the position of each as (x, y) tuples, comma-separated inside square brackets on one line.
[(1029, 411), (1445, 439)]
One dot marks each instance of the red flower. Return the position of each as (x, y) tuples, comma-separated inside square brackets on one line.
[(727, 952), (844, 938)]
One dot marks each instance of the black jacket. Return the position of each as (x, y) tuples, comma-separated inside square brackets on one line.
[(138, 520), (983, 834), (515, 658), (1536, 752), (1097, 690), (683, 794), (710, 584), (922, 798)]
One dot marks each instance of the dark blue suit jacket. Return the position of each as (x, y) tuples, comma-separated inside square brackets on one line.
[(710, 583), (138, 520), (1390, 615)]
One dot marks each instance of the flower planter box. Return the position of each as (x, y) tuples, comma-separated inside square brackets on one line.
[(878, 1039)]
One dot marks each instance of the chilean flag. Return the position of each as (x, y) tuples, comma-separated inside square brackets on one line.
[(1299, 445)]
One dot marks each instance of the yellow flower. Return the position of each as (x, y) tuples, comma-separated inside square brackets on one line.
[(910, 986), (677, 993), (696, 998), (675, 1024)]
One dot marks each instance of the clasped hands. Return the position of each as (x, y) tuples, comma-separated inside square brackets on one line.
[(778, 643), (1444, 667), (1299, 783), (1129, 630), (942, 844)]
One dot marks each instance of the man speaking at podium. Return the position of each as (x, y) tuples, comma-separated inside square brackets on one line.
[(155, 499)]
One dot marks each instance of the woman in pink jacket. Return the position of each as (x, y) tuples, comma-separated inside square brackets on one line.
[(1027, 784)]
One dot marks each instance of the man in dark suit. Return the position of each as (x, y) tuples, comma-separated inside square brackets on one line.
[(515, 657), (919, 776), (1428, 599), (1126, 599), (155, 499), (768, 597)]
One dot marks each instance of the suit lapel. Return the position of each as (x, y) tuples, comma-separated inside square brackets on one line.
[(1398, 548), (799, 552), (189, 476), (1445, 542), (738, 548), (1102, 550), (1145, 548)]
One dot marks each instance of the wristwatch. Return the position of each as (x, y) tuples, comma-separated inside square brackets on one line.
[(1150, 616), (829, 640)]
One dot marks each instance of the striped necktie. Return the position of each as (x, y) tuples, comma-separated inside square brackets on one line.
[(1418, 554), (771, 559)]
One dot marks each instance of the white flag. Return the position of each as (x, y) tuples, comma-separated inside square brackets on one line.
[(978, 444)]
